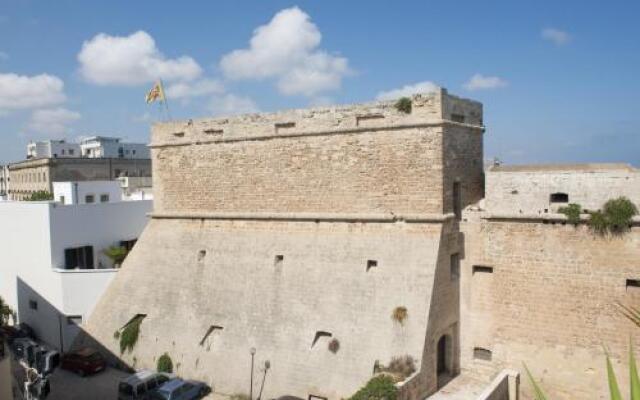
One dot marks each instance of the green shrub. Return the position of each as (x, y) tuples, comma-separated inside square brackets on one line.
[(129, 334), (403, 105), (165, 364), (619, 213), (40, 195), (572, 211), (117, 254), (615, 217), (380, 387)]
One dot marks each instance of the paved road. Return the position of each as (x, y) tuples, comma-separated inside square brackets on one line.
[(66, 385)]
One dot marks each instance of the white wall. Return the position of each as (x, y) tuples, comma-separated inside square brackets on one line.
[(76, 192), (33, 238), (527, 189)]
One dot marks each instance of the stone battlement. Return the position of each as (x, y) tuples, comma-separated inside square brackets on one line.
[(427, 109)]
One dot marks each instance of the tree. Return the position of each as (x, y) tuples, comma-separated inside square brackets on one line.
[(40, 195), (5, 313)]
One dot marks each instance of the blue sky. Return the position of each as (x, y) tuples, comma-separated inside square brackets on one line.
[(558, 79)]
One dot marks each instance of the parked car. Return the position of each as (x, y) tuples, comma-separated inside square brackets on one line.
[(139, 385), (84, 361), (177, 389)]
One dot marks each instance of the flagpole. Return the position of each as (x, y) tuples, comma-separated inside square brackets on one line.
[(164, 99)]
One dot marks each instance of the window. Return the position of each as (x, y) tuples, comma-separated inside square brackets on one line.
[(455, 266), (457, 200), (62, 199), (457, 118), (128, 244), (62, 151), (33, 305), (133, 152), (79, 257), (71, 151), (89, 199), (633, 284), (279, 260), (320, 334), (482, 269), (559, 198), (213, 131), (371, 264), (480, 353), (104, 198)]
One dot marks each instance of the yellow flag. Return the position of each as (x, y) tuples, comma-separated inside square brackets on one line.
[(156, 93)]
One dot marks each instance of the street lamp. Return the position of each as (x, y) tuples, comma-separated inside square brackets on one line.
[(253, 353), (267, 365)]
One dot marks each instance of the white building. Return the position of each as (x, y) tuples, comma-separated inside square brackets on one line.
[(52, 263), (110, 147), (88, 192), (52, 149), (4, 181)]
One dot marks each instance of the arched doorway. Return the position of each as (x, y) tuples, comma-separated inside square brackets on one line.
[(443, 363)]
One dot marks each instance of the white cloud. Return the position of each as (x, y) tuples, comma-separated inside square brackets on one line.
[(287, 49), (197, 88), (408, 90), (231, 104), (556, 36), (131, 60), (20, 91), (52, 121), (481, 82)]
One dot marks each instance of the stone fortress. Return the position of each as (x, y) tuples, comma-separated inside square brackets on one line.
[(293, 231)]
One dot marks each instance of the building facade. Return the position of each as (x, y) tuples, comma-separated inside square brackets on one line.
[(52, 149), (110, 147), (30, 176), (53, 264), (298, 232), (4, 181)]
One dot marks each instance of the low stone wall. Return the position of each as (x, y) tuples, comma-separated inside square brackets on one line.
[(506, 386)]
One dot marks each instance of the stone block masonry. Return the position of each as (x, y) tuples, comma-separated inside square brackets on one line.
[(284, 231)]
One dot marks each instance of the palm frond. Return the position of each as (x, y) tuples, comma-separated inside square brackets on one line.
[(536, 388)]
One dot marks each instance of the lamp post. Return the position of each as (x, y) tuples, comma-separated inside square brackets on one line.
[(253, 353), (267, 365)]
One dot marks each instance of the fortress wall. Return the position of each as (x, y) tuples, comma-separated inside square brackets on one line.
[(550, 302), (322, 284), (527, 189), (463, 159), (391, 171)]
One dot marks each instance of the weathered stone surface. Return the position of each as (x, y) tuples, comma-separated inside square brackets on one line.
[(328, 190)]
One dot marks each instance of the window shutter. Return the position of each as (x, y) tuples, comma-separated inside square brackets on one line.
[(70, 260), (88, 253)]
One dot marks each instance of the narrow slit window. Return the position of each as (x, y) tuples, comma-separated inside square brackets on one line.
[(559, 198), (210, 331), (365, 119), (318, 335), (284, 125), (480, 353), (371, 264), (455, 266), (178, 134), (202, 254), (482, 269), (633, 284), (279, 259), (213, 131)]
